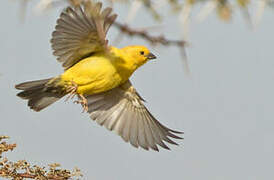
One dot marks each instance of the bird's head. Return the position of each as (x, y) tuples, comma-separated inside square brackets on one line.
[(140, 54)]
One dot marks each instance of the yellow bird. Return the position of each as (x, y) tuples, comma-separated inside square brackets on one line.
[(98, 75)]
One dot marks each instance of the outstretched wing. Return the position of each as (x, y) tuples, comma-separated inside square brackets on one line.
[(81, 31), (122, 110)]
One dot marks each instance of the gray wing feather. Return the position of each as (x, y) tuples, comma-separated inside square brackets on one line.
[(81, 31), (124, 126), (134, 128), (122, 110)]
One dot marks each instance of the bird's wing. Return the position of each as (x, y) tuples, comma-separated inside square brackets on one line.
[(81, 31), (122, 110)]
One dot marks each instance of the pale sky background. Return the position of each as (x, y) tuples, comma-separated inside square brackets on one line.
[(225, 108)]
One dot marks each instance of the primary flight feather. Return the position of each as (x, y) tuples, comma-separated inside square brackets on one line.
[(98, 74)]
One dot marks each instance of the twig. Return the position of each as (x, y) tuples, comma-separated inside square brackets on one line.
[(32, 176), (124, 28), (23, 170)]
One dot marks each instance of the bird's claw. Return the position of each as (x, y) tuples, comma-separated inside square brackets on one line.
[(83, 101), (72, 91)]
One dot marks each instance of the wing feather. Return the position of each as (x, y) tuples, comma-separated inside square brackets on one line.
[(134, 128), (62, 33), (73, 17), (149, 134), (164, 134), (67, 22), (141, 131), (109, 22), (122, 110), (124, 126), (114, 112), (155, 133), (81, 31)]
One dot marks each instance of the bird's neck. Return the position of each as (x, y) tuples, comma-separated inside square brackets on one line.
[(124, 64)]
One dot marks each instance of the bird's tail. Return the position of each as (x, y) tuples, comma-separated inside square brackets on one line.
[(40, 93)]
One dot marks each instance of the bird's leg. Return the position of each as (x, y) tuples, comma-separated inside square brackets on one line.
[(72, 91), (83, 101)]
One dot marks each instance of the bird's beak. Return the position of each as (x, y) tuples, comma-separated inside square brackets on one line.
[(151, 56)]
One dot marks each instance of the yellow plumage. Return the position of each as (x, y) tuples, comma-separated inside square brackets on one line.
[(102, 72), (98, 75), (93, 75)]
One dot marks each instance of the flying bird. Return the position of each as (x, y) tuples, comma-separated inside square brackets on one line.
[(98, 74)]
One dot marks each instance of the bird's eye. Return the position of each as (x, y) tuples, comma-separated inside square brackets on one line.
[(142, 52)]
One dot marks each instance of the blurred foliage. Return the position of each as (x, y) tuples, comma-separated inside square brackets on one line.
[(23, 170), (223, 8)]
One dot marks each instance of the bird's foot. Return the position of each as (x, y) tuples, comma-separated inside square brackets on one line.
[(72, 91), (83, 101)]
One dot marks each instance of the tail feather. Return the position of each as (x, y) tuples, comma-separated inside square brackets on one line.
[(32, 84), (38, 93)]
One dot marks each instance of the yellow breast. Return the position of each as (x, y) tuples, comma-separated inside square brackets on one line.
[(100, 72), (93, 75)]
